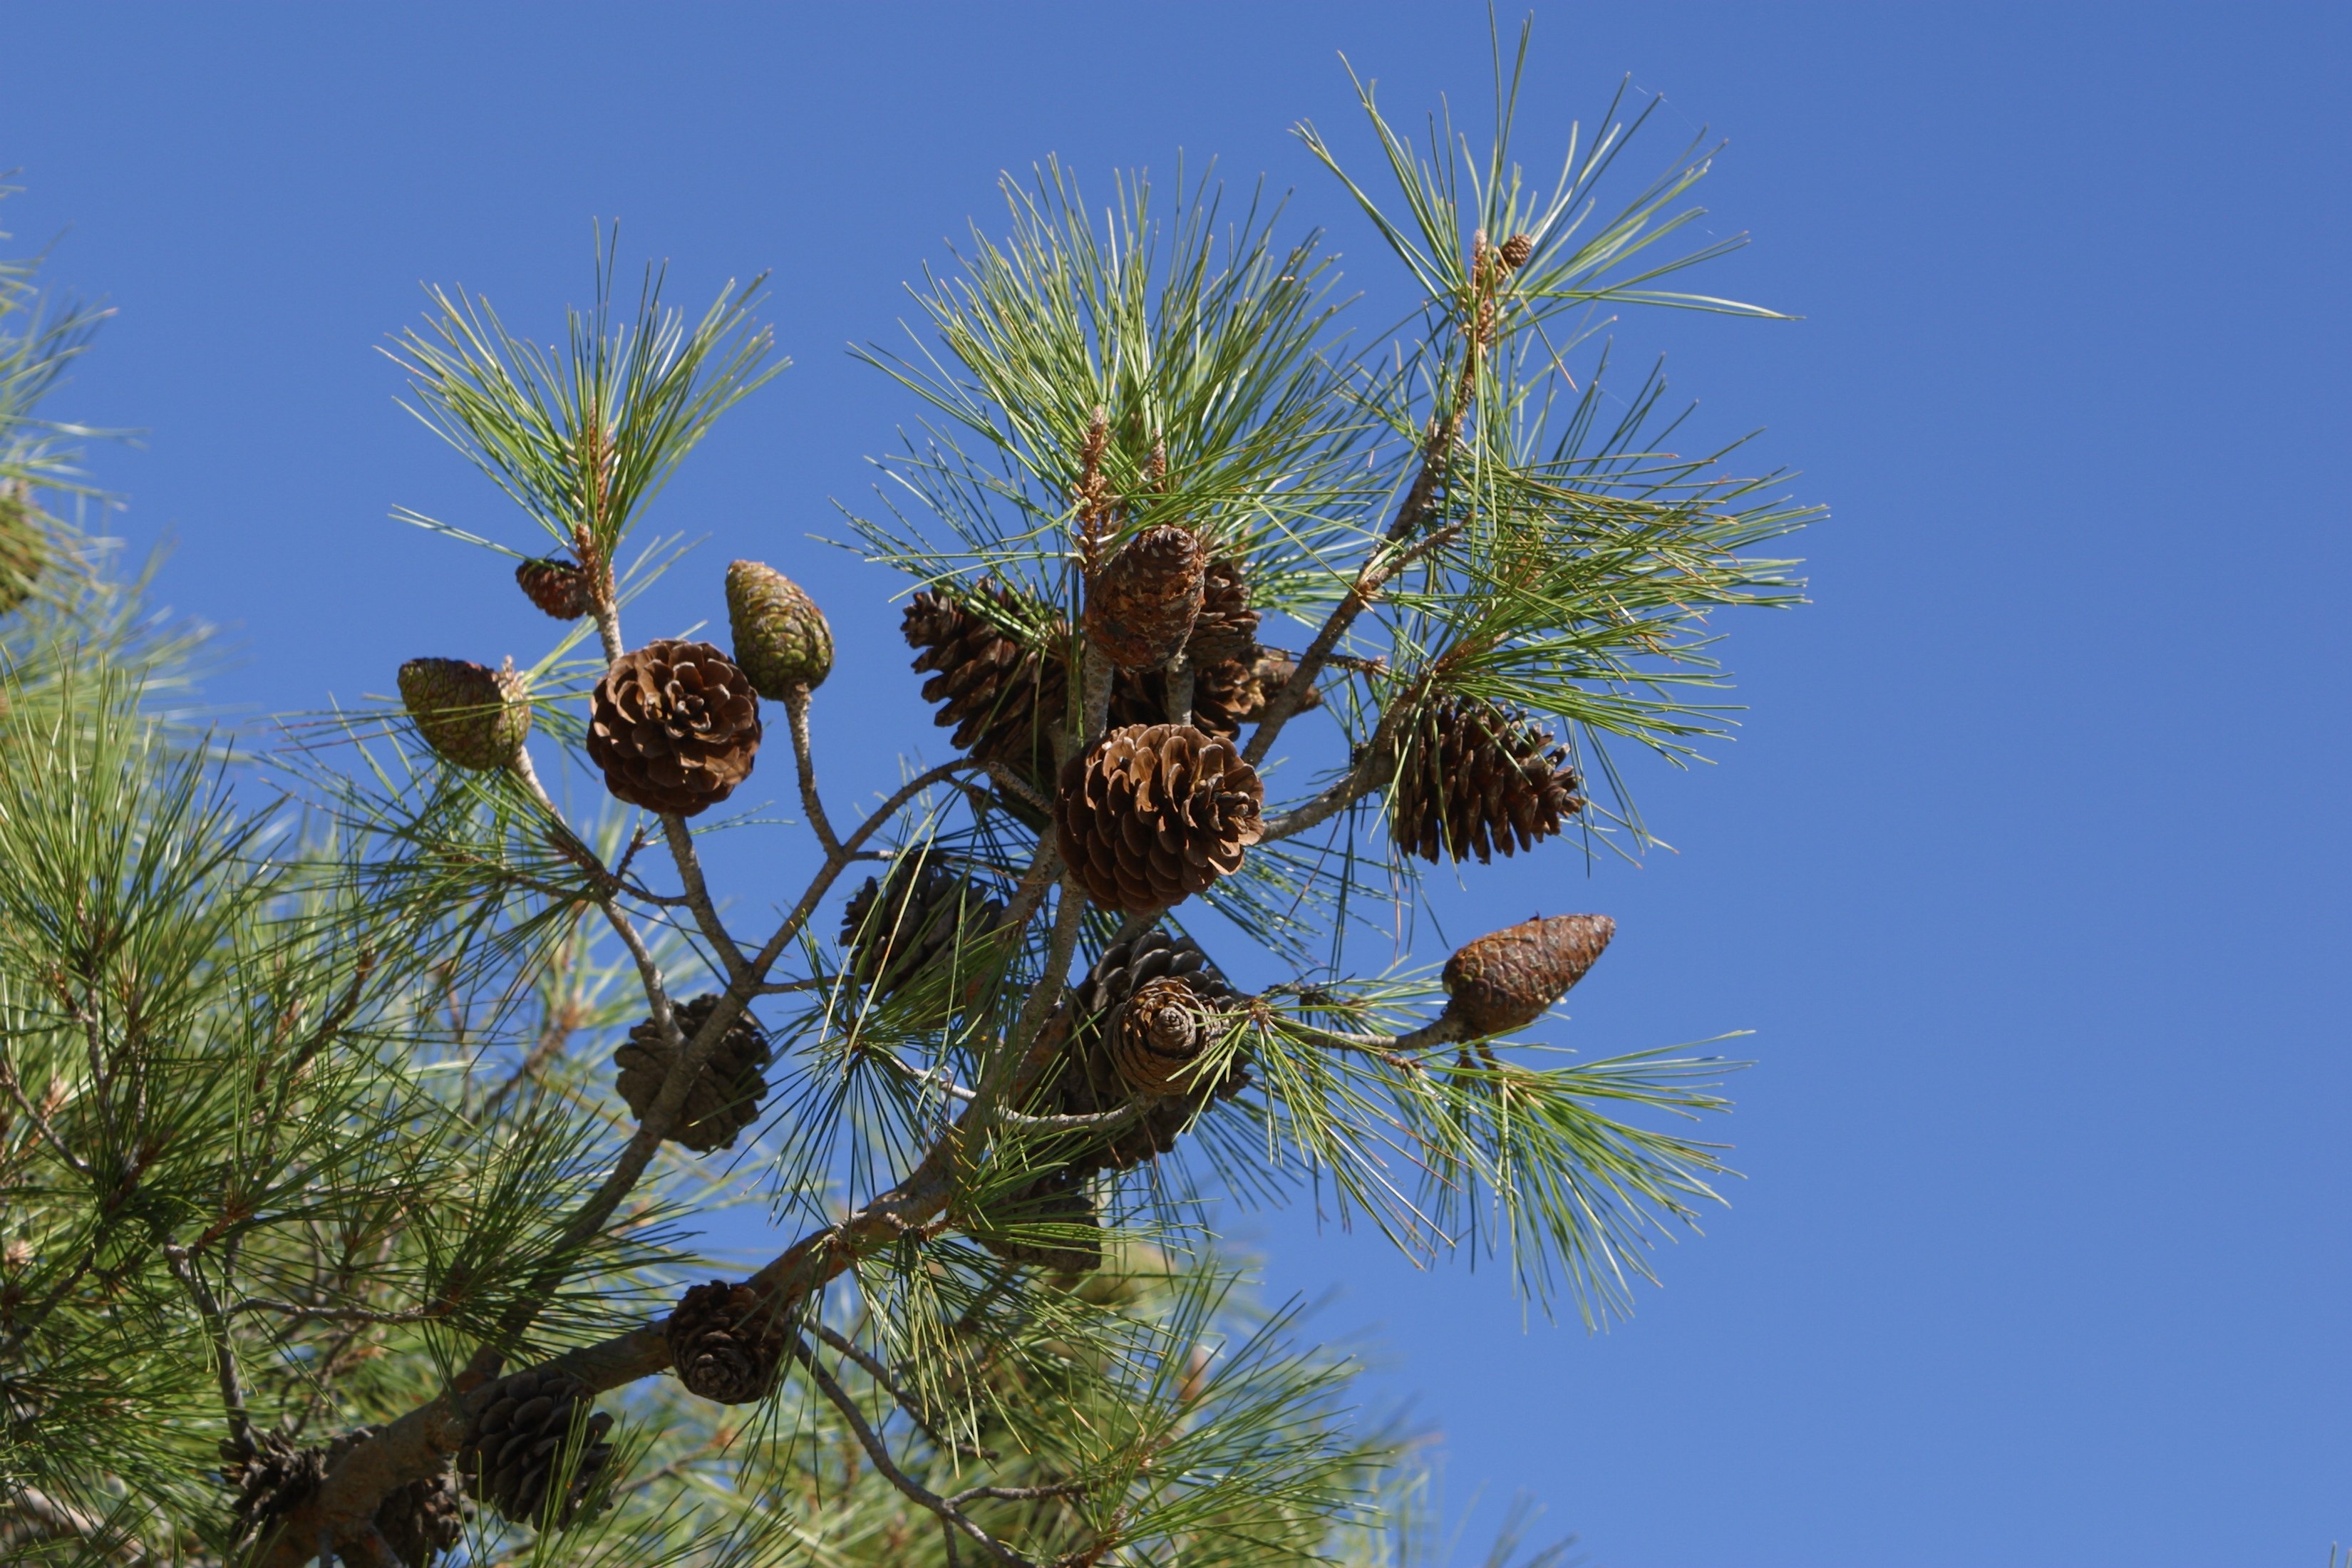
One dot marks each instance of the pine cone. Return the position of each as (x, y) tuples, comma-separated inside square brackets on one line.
[(1155, 812), (23, 546), (424, 1519), (925, 922), (1004, 699), (726, 1342), (1164, 1025), (725, 1098), (559, 587), (1142, 606), (516, 1430), (1516, 251), (675, 726), (1228, 626), (1059, 1199), (271, 1481), (473, 716), (781, 640), (1475, 778), (1505, 979)]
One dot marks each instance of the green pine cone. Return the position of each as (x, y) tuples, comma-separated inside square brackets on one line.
[(473, 716), (24, 548), (781, 640)]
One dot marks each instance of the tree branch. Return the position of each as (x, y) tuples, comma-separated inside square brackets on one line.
[(796, 710)]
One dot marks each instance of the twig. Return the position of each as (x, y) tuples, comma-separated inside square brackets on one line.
[(240, 1426), (796, 709), (40, 1123), (297, 1314), (873, 1368)]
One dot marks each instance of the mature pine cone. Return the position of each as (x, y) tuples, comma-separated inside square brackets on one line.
[(675, 726), (23, 546), (473, 716), (418, 1522), (1228, 626), (1142, 606), (559, 587), (1505, 979), (271, 1481), (1155, 812), (726, 1342), (1475, 778), (516, 1430), (924, 922), (725, 1098), (1516, 251), (1058, 1199), (424, 1519), (781, 640), (1004, 700)]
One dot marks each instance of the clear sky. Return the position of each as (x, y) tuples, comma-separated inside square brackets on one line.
[(2029, 868)]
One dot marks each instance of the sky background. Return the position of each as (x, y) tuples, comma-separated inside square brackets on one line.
[(2027, 869)]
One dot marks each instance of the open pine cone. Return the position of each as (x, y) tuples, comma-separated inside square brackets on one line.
[(725, 1098), (1228, 626), (1155, 812), (915, 927), (516, 1429), (726, 1342), (675, 726), (1506, 979), (1142, 606), (1475, 778)]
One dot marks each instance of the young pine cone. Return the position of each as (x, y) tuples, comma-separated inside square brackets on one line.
[(1475, 778), (1155, 812), (725, 1098), (726, 1342), (1516, 251), (516, 1433), (781, 640), (675, 726), (23, 546), (923, 927), (559, 587), (1142, 606), (1004, 699), (1228, 626), (1505, 979), (472, 716), (1058, 1204)]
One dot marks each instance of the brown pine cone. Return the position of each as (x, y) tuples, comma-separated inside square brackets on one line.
[(423, 1520), (516, 1432), (1004, 699), (726, 1342), (270, 1481), (675, 726), (1505, 979), (559, 587), (725, 1098), (1162, 1029), (1155, 812), (1058, 1199), (923, 924), (1142, 606), (1475, 778), (1516, 251), (472, 716), (1228, 626), (781, 639)]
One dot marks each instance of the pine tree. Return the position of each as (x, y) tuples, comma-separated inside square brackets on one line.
[(347, 1139)]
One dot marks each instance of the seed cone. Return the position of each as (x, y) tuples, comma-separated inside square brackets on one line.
[(1004, 700), (1098, 1073), (1505, 979), (1155, 812), (1516, 251), (1228, 626), (516, 1430), (726, 1342), (472, 716), (559, 587), (924, 927), (271, 1482), (24, 547), (781, 640), (725, 1097), (1476, 778), (1142, 606), (1060, 1200), (675, 726), (423, 1520)]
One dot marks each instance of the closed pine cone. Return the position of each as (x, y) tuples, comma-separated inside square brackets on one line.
[(725, 1097), (1161, 1030), (472, 716), (923, 921), (675, 726), (1516, 251), (782, 642), (1228, 626), (1155, 812), (1142, 606), (1005, 699), (1058, 1199), (1505, 979), (271, 1481), (1475, 778), (516, 1430), (559, 587), (726, 1342)]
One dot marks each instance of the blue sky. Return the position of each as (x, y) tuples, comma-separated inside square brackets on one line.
[(2027, 869)]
